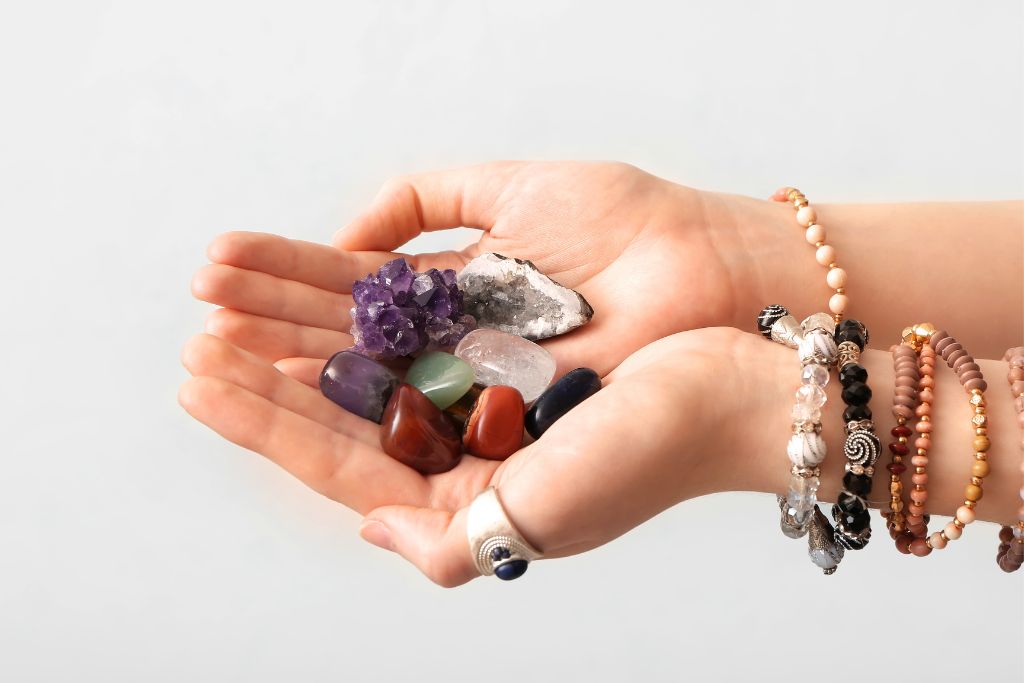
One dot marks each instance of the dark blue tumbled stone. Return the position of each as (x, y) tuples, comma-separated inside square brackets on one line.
[(511, 570), (561, 397)]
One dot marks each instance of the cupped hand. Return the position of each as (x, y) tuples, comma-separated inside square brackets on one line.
[(639, 248), (653, 436)]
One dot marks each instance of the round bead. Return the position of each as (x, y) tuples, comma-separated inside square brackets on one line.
[(973, 493), (937, 540), (814, 234), (836, 278), (857, 394), (858, 484), (852, 372), (979, 469), (903, 542), (981, 444), (919, 547), (952, 531), (965, 514), (837, 303), (805, 215), (825, 254), (853, 413)]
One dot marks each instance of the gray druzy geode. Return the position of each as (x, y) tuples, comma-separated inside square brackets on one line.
[(511, 295)]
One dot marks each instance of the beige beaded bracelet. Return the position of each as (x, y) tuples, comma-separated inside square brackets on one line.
[(825, 253)]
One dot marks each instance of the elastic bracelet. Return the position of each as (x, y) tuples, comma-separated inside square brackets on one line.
[(862, 447), (825, 254), (926, 343), (816, 346), (1011, 540)]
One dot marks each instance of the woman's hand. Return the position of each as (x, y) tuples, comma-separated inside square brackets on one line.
[(639, 248), (655, 434)]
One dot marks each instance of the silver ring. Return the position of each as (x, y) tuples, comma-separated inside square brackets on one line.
[(497, 547)]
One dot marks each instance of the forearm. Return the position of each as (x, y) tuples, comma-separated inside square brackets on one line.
[(950, 456), (957, 265)]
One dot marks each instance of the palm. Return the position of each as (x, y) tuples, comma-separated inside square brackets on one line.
[(560, 479), (632, 244)]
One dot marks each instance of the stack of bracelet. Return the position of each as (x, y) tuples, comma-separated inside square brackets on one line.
[(825, 254), (862, 447), (1011, 540), (911, 531), (814, 341)]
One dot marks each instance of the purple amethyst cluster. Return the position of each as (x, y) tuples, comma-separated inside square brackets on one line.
[(398, 312)]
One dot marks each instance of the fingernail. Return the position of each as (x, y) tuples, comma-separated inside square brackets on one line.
[(375, 532)]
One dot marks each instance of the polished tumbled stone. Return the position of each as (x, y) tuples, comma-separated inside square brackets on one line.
[(416, 433), (494, 427), (568, 392), (442, 377), (358, 384), (499, 358), (511, 295)]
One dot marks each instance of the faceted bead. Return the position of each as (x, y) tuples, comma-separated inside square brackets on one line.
[(415, 432), (850, 504), (494, 428), (852, 372), (854, 522), (814, 374), (511, 570), (804, 412), (811, 395), (802, 494), (857, 394), (850, 324), (859, 484), (499, 358), (851, 335), (853, 413), (568, 392), (442, 377), (358, 384)]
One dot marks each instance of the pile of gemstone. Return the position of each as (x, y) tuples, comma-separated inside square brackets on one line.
[(470, 388)]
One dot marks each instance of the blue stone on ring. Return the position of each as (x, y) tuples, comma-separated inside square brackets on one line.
[(511, 570)]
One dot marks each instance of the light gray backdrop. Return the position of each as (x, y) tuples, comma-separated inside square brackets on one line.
[(135, 545)]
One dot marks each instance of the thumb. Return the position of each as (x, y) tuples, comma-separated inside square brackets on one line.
[(433, 540), (409, 205)]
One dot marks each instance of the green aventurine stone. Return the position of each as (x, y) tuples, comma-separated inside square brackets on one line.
[(442, 377)]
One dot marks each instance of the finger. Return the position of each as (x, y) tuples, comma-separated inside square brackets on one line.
[(317, 265), (334, 464), (275, 339), (409, 205), (272, 297), (305, 370), (433, 540), (213, 357)]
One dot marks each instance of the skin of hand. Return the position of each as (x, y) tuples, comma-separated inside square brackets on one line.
[(590, 478), (637, 247), (715, 404), (653, 258)]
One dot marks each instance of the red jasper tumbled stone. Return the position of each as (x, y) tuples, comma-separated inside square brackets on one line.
[(416, 433), (494, 427)]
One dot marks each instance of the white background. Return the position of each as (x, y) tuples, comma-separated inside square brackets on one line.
[(135, 545)]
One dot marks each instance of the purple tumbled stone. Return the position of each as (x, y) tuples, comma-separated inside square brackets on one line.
[(358, 384), (398, 312)]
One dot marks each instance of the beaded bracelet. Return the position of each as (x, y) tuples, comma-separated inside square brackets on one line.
[(1011, 540), (825, 254), (925, 342), (862, 447), (813, 339)]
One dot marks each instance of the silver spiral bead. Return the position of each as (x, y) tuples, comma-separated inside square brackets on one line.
[(862, 448)]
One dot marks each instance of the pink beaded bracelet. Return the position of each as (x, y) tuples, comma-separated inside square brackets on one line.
[(825, 253), (1011, 540)]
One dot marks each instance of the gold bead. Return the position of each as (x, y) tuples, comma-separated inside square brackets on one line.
[(840, 290), (969, 504), (957, 523), (907, 335), (925, 330)]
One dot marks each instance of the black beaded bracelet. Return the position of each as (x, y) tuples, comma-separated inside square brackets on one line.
[(862, 446)]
